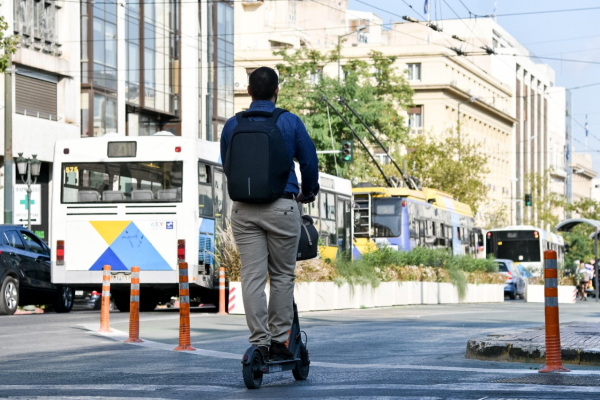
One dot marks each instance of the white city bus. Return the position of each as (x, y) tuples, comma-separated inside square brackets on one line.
[(525, 245), (149, 202), (136, 201)]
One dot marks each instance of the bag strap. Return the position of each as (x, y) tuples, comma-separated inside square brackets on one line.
[(271, 116), (276, 113)]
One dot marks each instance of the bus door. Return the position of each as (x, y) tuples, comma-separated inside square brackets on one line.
[(206, 247), (343, 226)]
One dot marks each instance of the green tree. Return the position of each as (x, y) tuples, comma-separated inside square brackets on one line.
[(8, 45), (544, 201), (376, 89), (437, 165)]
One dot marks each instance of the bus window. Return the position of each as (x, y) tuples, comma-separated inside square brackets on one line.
[(387, 216), (205, 190), (122, 181), (330, 206), (219, 181), (314, 207)]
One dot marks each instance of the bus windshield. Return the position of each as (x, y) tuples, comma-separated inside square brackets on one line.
[(516, 246), (387, 215), (120, 182)]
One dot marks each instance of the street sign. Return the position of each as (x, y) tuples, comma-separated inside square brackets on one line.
[(20, 204)]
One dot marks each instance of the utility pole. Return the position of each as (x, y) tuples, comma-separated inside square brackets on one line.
[(9, 163)]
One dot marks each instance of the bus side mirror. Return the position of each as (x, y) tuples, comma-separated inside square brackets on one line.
[(566, 248)]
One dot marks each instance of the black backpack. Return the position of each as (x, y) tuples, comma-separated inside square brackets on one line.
[(257, 163), (309, 240)]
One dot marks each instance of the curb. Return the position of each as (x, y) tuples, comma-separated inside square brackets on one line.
[(493, 348)]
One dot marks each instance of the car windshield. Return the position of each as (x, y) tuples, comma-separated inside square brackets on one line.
[(119, 182)]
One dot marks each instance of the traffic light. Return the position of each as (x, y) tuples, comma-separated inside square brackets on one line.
[(347, 151), (527, 200)]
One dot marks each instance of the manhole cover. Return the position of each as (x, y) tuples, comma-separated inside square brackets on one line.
[(553, 379)]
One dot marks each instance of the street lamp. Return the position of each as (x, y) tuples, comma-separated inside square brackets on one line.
[(357, 30), (471, 100), (30, 167)]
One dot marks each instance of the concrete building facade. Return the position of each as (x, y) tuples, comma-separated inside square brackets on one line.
[(91, 68), (443, 84)]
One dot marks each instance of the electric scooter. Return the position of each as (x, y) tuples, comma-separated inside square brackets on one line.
[(253, 365)]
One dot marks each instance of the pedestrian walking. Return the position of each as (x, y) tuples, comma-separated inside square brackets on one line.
[(258, 147), (583, 275)]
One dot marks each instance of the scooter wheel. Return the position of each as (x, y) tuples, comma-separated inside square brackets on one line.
[(252, 372), (301, 371)]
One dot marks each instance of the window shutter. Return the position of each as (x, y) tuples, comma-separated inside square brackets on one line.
[(33, 96), (414, 110)]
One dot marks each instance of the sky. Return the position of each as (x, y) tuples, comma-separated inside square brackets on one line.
[(573, 35)]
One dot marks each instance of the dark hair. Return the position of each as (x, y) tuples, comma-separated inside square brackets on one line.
[(263, 83)]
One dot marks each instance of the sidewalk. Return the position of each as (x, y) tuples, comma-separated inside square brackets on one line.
[(580, 344)]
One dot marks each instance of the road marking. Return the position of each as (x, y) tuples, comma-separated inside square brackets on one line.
[(121, 336), (453, 387), (123, 387), (461, 387)]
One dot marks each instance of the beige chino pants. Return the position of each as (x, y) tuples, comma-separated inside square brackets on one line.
[(267, 236)]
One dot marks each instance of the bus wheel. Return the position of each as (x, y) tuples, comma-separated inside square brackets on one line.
[(122, 303)]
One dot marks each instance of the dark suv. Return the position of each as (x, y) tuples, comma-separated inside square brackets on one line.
[(25, 273)]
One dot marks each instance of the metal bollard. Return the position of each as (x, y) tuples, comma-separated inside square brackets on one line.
[(553, 348), (105, 310), (184, 310), (134, 307), (222, 291)]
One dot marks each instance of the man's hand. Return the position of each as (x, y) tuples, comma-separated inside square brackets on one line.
[(305, 200)]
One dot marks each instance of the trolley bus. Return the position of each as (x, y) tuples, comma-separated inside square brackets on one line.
[(402, 218), (152, 202), (525, 245)]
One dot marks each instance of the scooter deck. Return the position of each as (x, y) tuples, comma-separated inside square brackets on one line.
[(278, 366)]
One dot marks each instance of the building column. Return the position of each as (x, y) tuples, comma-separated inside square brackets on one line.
[(121, 71), (519, 184), (534, 145)]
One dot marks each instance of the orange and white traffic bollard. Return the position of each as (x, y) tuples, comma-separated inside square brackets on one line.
[(553, 348), (105, 310), (184, 309), (134, 307), (222, 291)]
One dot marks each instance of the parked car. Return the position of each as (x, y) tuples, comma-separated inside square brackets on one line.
[(524, 272), (25, 273), (515, 284)]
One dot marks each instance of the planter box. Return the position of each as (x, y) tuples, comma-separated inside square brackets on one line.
[(320, 296), (535, 294)]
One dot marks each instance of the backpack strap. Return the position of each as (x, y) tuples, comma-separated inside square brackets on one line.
[(276, 113), (257, 113)]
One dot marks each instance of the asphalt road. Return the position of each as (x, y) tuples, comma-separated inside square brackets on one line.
[(400, 352)]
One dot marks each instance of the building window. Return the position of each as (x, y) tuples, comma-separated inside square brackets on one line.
[(104, 34), (413, 72), (132, 53), (98, 68), (35, 94), (152, 50), (148, 126), (415, 117), (105, 114), (221, 67), (35, 23)]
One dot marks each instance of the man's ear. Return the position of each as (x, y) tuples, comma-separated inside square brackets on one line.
[(276, 91), (249, 91)]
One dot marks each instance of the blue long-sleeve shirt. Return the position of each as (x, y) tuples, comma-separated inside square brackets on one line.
[(298, 143)]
